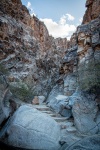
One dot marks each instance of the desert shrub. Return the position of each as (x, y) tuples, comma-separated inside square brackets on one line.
[(89, 77), (3, 70), (21, 91)]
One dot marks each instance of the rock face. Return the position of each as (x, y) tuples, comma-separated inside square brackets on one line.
[(32, 129), (93, 10), (85, 113), (80, 71), (26, 48)]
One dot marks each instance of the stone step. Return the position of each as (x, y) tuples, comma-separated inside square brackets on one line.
[(71, 129), (41, 107), (47, 112), (44, 108), (60, 119), (53, 115)]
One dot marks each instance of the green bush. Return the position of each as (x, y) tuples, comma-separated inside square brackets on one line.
[(21, 91), (3, 69), (89, 76)]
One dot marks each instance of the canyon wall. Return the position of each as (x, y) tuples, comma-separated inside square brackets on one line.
[(83, 53), (27, 52), (80, 75), (92, 12)]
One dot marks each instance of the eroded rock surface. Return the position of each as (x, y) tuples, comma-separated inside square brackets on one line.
[(85, 113), (31, 129), (27, 51)]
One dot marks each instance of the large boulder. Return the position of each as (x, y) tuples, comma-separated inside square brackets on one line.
[(38, 100), (70, 84), (31, 129), (85, 112), (58, 101), (88, 143), (60, 104)]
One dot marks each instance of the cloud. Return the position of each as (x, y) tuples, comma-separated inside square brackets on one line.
[(29, 6), (70, 17), (60, 29), (81, 19), (65, 18)]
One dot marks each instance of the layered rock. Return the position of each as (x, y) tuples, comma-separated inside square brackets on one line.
[(81, 60), (26, 48)]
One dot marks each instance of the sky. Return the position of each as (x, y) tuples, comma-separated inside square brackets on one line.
[(60, 16)]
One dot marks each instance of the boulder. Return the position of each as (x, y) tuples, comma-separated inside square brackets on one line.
[(31, 129), (56, 90), (70, 84), (35, 101), (41, 99), (60, 105), (88, 143), (85, 111), (38, 100)]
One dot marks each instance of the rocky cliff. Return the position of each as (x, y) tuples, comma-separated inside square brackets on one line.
[(80, 75), (92, 12), (83, 52), (31, 57)]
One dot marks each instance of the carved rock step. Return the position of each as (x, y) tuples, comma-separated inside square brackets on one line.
[(60, 119), (71, 129), (41, 107), (45, 109), (65, 124), (47, 112)]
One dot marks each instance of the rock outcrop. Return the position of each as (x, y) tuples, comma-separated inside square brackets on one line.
[(85, 113), (32, 129), (92, 12)]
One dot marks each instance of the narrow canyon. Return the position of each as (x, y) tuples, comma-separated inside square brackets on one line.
[(49, 87)]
